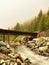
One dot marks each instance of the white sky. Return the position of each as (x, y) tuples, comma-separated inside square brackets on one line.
[(13, 11)]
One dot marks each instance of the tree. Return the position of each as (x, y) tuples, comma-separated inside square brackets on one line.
[(47, 19), (48, 12), (40, 14), (17, 27), (35, 24), (42, 23), (37, 21)]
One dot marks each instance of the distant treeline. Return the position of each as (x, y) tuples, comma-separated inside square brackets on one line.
[(39, 23)]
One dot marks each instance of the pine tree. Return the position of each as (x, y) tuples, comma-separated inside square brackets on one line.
[(17, 27)]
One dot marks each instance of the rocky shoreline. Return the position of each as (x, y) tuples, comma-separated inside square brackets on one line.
[(40, 46), (8, 56)]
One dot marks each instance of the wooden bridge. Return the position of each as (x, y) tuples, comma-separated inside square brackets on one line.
[(13, 32)]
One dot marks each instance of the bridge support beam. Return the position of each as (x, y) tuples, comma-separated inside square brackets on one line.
[(3, 37), (9, 38)]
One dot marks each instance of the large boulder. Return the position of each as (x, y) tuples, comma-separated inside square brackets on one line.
[(2, 43), (43, 48), (5, 50), (27, 62), (3, 56)]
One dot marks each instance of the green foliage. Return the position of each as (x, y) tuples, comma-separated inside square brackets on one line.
[(1, 37), (39, 23), (42, 26), (48, 13), (17, 27)]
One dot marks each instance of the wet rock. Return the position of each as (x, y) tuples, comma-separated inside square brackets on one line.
[(14, 55), (3, 56), (5, 50), (18, 63), (2, 61), (27, 62), (43, 48), (20, 60), (2, 43), (47, 50)]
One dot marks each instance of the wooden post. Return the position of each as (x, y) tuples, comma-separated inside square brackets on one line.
[(3, 37), (9, 38)]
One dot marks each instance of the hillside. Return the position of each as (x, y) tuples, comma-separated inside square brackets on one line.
[(39, 23)]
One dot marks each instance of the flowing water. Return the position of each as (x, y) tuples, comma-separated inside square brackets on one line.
[(35, 59)]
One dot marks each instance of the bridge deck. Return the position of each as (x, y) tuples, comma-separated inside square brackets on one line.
[(12, 32)]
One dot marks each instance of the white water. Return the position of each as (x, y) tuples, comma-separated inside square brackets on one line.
[(35, 59)]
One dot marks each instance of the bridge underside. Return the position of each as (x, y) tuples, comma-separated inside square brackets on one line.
[(12, 32)]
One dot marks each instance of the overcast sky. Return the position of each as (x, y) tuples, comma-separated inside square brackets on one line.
[(13, 11)]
